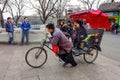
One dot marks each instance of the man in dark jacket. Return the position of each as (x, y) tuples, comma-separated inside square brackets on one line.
[(25, 26), (10, 29), (61, 45)]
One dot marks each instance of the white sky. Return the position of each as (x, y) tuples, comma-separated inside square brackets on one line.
[(31, 12)]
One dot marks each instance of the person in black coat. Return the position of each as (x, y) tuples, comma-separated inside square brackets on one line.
[(69, 27), (81, 32), (64, 29), (115, 27)]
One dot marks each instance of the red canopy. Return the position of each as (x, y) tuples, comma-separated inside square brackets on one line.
[(95, 18)]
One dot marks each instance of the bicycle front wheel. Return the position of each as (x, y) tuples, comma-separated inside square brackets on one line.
[(36, 57)]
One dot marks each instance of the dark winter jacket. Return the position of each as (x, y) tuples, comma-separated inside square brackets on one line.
[(81, 34)]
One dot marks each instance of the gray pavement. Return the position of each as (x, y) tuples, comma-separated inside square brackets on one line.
[(14, 67), (111, 46)]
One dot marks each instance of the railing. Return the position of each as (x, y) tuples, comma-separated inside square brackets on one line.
[(35, 34)]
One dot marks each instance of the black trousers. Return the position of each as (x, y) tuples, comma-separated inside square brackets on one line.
[(68, 58)]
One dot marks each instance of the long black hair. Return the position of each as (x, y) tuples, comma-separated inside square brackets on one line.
[(80, 22)]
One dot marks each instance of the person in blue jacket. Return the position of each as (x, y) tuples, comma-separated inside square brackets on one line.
[(25, 26), (10, 29)]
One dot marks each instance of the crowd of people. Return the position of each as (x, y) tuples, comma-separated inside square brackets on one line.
[(61, 45), (65, 30), (76, 31)]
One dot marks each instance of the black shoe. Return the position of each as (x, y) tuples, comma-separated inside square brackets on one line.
[(65, 64), (74, 65), (27, 43), (9, 42)]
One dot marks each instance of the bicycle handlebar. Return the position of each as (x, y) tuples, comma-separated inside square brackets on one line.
[(46, 35)]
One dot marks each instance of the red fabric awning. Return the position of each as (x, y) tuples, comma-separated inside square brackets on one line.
[(95, 18)]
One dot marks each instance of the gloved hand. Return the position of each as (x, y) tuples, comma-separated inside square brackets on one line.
[(55, 49)]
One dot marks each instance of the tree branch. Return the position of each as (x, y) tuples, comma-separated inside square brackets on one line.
[(51, 8), (5, 3)]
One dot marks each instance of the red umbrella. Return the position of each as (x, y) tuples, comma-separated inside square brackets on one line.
[(95, 18)]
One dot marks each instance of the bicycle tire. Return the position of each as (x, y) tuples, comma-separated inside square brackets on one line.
[(28, 53), (90, 54)]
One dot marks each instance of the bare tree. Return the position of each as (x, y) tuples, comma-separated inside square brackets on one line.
[(2, 8), (112, 0), (105, 1), (16, 9), (88, 4), (60, 7), (44, 8), (92, 4)]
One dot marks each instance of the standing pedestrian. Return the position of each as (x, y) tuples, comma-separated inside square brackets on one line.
[(25, 26), (115, 27), (62, 26), (74, 35), (70, 27), (61, 45), (10, 29)]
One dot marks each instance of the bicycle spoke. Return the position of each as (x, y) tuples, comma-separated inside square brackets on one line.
[(36, 57)]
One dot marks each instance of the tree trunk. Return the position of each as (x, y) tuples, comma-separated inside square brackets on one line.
[(44, 21), (1, 19), (112, 0), (17, 21)]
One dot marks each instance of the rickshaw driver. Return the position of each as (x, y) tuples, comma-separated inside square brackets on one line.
[(61, 45)]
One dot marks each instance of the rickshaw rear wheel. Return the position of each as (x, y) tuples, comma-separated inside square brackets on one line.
[(91, 55)]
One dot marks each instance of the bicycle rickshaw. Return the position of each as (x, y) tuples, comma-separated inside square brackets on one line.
[(90, 46)]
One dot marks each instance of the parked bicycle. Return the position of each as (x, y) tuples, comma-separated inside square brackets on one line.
[(37, 56)]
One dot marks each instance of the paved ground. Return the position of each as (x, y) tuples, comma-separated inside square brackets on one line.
[(110, 46), (14, 67)]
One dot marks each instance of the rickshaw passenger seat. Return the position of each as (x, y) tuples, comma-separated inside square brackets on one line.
[(88, 37)]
